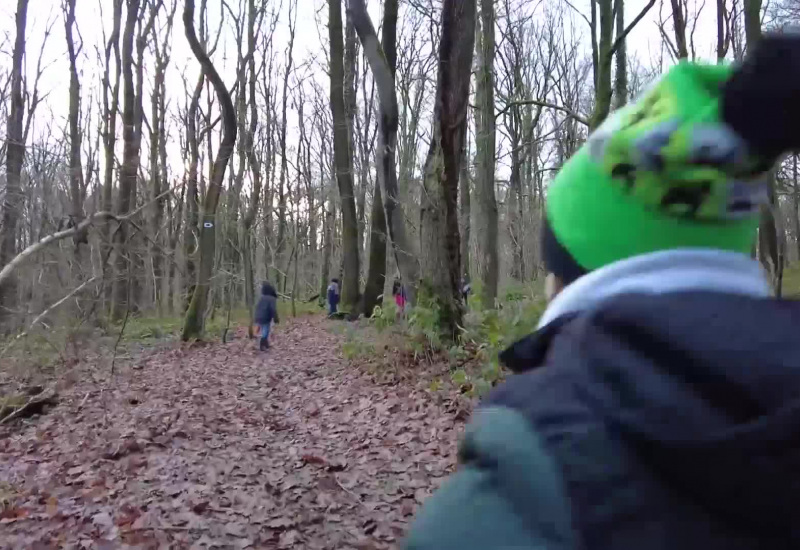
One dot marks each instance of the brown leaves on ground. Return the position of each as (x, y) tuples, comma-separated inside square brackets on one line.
[(225, 447)]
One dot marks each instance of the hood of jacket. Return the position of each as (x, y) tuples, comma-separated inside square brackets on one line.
[(703, 384), (268, 290)]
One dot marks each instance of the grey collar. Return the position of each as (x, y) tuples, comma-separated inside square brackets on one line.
[(664, 272)]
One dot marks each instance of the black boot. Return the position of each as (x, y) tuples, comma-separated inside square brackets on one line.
[(264, 344)]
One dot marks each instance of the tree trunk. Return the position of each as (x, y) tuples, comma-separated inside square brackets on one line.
[(752, 22), (111, 108), (485, 138), (770, 243), (604, 47), (440, 243), (135, 245), (192, 224), (602, 92), (279, 278), (158, 168), (376, 270), (15, 156), (768, 232), (679, 24), (327, 249), (195, 315), (514, 200), (76, 184), (351, 110), (383, 61), (327, 212), (621, 58), (723, 33), (255, 169), (344, 160), (466, 213), (128, 171)]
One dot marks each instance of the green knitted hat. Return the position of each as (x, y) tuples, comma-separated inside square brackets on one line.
[(665, 172)]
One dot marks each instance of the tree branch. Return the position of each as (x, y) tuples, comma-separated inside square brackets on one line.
[(20, 258), (569, 112), (621, 38)]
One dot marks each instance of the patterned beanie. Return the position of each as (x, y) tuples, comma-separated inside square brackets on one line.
[(686, 166)]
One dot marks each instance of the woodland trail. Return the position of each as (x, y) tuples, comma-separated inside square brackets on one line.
[(219, 446)]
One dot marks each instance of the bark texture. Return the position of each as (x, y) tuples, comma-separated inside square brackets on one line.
[(195, 314), (485, 206), (439, 236), (343, 159)]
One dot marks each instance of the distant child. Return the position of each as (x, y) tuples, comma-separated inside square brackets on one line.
[(266, 313), (333, 297), (399, 294), (466, 290)]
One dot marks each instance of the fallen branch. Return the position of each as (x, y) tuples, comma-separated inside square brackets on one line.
[(35, 405), (20, 258), (44, 314)]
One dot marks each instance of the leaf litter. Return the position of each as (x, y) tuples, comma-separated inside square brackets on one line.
[(220, 446)]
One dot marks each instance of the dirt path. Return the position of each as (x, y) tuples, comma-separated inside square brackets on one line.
[(223, 447)]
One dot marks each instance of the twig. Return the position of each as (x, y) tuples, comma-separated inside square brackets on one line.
[(41, 399), (44, 314), (621, 37), (351, 493), (583, 120)]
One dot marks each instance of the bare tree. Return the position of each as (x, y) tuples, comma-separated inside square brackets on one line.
[(77, 186), (485, 138), (129, 168), (158, 154), (383, 60), (604, 46), (195, 314), (440, 243), (254, 17), (280, 245), (15, 156), (352, 115), (110, 113), (343, 160), (129, 266)]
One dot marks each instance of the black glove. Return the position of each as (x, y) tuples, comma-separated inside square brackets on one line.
[(761, 100)]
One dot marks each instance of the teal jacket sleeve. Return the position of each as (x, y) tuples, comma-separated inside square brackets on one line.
[(507, 493)]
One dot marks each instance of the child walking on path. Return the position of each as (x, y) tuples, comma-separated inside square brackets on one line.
[(266, 313)]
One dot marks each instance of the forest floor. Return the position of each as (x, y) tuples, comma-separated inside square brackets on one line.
[(220, 446)]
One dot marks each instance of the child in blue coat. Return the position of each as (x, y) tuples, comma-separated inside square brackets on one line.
[(266, 313)]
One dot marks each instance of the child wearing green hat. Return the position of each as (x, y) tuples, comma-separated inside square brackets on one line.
[(657, 406)]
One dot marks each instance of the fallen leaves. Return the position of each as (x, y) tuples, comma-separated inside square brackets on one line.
[(223, 447)]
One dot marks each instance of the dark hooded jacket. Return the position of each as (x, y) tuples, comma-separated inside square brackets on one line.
[(267, 307), (647, 422)]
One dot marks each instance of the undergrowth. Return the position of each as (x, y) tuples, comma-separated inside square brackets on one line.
[(389, 341)]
